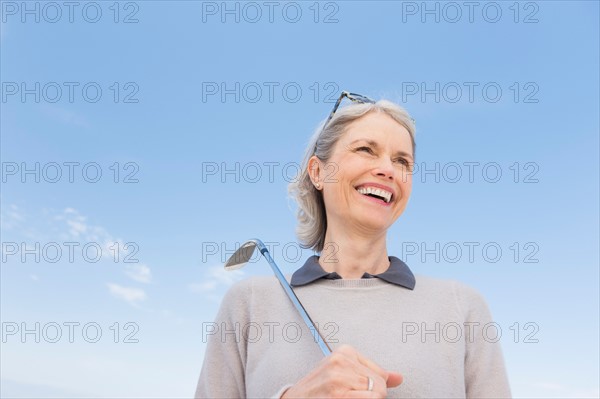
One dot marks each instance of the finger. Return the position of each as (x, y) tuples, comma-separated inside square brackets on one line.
[(364, 378), (355, 373), (391, 378), (372, 365), (394, 379)]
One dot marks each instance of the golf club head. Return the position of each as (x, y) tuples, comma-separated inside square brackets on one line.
[(241, 256)]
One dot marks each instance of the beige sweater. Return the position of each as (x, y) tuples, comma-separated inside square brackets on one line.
[(438, 336)]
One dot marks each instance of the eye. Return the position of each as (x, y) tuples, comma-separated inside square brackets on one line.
[(365, 149), (404, 163)]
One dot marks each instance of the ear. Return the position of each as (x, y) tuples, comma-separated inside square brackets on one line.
[(315, 170)]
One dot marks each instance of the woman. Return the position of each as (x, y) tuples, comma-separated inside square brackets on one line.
[(392, 335)]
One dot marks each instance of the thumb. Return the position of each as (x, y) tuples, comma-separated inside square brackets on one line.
[(394, 379)]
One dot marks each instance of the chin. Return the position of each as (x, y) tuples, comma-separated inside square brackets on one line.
[(376, 225)]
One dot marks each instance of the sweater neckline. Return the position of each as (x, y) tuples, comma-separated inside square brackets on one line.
[(353, 283)]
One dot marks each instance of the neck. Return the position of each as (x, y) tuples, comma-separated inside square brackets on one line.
[(351, 256)]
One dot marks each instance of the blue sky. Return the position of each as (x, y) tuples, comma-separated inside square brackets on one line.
[(196, 122)]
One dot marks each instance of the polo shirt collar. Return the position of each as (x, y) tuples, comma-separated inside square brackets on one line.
[(398, 273)]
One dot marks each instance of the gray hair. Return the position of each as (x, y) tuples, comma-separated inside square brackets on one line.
[(312, 219)]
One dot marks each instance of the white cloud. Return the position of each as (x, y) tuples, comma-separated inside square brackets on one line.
[(113, 249), (76, 223), (69, 224), (139, 272), (128, 294), (76, 227), (11, 218), (16, 221)]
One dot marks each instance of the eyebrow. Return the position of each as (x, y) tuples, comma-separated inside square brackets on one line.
[(374, 144)]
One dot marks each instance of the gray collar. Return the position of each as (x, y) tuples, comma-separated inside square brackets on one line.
[(398, 273)]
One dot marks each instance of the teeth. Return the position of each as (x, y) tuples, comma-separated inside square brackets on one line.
[(386, 195)]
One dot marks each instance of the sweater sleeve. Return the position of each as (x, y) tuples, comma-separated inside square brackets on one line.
[(223, 373), (223, 370), (485, 373)]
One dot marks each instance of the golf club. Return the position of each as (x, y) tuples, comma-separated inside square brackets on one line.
[(243, 255)]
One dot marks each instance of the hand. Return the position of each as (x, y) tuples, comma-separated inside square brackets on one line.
[(344, 374)]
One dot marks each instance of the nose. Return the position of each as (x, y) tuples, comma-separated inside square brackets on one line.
[(384, 168)]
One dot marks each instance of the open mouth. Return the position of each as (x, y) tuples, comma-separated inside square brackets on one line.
[(378, 193)]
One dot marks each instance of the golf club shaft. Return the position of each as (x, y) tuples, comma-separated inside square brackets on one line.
[(290, 293)]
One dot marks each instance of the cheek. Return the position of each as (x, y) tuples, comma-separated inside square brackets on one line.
[(331, 194), (338, 192), (406, 184)]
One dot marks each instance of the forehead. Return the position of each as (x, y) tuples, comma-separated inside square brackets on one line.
[(381, 128)]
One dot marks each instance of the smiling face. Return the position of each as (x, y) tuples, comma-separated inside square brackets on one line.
[(367, 181)]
